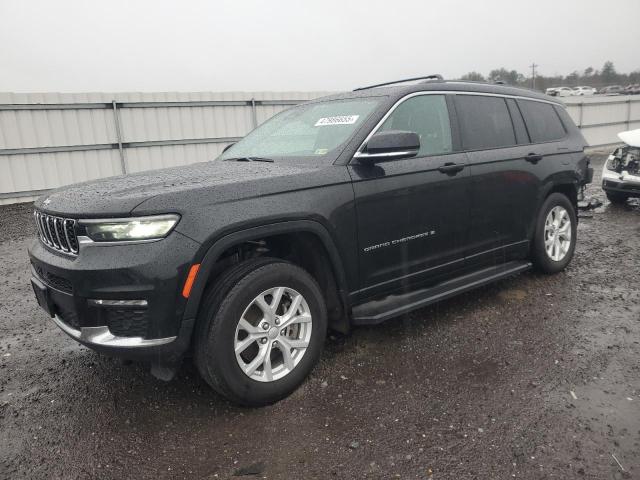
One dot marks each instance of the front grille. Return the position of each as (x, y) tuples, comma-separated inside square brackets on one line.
[(57, 232), (126, 322)]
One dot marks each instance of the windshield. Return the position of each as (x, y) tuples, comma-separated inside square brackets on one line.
[(313, 130)]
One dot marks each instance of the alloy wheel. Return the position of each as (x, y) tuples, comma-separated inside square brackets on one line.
[(557, 233), (273, 334)]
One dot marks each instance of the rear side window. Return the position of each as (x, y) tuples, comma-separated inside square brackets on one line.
[(542, 121), (426, 115), (485, 122)]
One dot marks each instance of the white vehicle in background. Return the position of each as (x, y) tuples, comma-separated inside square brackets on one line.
[(621, 171), (564, 92), (585, 91), (559, 91)]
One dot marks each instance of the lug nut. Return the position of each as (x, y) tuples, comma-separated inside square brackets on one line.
[(264, 340), (283, 332), (277, 321), (265, 326)]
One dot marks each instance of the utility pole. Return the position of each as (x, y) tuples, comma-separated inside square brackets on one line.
[(533, 75)]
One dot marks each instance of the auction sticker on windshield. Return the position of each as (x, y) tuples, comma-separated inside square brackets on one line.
[(337, 120)]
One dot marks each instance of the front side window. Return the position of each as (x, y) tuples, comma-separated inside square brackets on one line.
[(310, 130), (426, 115), (542, 121), (485, 122)]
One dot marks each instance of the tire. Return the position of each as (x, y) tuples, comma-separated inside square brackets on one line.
[(218, 333), (617, 198), (542, 259)]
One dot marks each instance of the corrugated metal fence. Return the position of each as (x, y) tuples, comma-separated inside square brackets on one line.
[(601, 118), (50, 140)]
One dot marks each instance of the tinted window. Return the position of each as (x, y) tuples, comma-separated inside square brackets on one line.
[(485, 122), (542, 121), (426, 115)]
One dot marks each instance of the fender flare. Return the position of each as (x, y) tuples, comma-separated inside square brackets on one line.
[(545, 191), (219, 246)]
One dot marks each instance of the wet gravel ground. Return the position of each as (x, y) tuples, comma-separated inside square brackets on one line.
[(534, 377)]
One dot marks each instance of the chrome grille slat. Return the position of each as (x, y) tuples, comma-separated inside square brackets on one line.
[(39, 222), (47, 233), (52, 232), (45, 230), (72, 241), (57, 233), (36, 217), (62, 239)]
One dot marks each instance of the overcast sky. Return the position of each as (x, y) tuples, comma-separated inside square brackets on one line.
[(152, 45)]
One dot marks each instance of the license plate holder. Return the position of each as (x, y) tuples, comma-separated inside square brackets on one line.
[(42, 295)]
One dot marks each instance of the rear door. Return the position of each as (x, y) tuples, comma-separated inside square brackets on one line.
[(413, 213), (504, 184)]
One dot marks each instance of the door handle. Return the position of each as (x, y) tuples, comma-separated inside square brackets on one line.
[(533, 158), (451, 168)]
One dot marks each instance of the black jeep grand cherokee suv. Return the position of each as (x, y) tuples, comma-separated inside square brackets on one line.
[(346, 210)]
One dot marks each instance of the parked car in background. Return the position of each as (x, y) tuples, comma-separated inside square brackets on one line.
[(612, 90), (584, 91), (621, 171), (559, 91), (564, 92), (633, 89)]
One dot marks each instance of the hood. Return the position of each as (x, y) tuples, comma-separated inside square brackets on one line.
[(630, 137), (119, 196)]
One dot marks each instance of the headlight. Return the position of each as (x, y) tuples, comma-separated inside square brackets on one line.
[(130, 229)]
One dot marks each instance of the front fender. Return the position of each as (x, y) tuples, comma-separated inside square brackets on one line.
[(213, 253)]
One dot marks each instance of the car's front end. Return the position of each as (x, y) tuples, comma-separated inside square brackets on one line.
[(114, 259), (621, 171), (102, 283)]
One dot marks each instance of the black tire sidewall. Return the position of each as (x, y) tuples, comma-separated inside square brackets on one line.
[(220, 356), (540, 257)]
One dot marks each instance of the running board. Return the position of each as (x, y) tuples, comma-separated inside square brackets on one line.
[(377, 311)]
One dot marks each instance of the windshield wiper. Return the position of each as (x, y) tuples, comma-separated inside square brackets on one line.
[(248, 159)]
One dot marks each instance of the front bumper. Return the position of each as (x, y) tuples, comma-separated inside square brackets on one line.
[(621, 183), (120, 300)]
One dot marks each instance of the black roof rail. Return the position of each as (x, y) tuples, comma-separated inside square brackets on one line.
[(428, 77)]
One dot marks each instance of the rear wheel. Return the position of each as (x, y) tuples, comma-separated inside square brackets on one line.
[(261, 331), (555, 237), (617, 198)]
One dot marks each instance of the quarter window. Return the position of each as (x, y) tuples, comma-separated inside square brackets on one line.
[(542, 121), (485, 122), (426, 115)]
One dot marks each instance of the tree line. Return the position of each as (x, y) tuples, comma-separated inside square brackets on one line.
[(607, 75)]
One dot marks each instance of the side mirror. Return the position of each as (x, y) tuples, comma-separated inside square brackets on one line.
[(390, 145)]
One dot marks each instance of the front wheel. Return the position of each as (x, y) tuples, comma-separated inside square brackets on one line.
[(261, 331), (555, 236)]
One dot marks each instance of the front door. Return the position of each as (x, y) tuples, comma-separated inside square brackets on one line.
[(412, 214)]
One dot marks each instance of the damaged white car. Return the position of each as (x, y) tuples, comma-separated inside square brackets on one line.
[(621, 171)]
